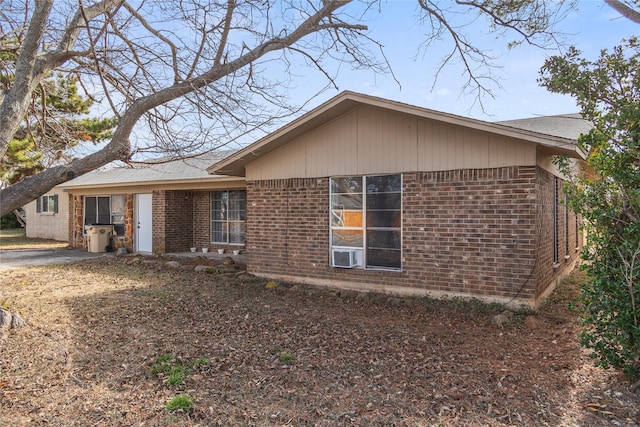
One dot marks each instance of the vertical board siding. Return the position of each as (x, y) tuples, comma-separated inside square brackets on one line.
[(330, 149), (369, 140)]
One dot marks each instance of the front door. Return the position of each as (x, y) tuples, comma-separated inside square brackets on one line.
[(143, 223)]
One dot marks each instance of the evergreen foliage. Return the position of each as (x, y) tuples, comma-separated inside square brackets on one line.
[(55, 123), (607, 194)]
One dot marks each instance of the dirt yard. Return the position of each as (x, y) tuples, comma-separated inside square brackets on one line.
[(111, 341)]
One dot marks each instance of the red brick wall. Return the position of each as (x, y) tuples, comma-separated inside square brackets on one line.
[(76, 212), (287, 227), (127, 242), (546, 271), (472, 232), (181, 219), (201, 220), (172, 220), (158, 219)]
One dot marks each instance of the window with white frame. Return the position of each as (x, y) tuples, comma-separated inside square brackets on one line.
[(228, 216), (47, 204), (105, 210), (366, 221)]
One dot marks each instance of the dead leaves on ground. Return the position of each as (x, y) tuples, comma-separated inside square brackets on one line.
[(290, 355)]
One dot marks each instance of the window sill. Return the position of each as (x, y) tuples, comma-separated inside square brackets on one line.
[(360, 268), (47, 213), (567, 256), (556, 264)]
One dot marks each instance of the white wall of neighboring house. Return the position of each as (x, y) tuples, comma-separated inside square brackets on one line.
[(49, 225)]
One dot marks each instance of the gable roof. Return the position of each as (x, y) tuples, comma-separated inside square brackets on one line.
[(186, 170), (235, 164)]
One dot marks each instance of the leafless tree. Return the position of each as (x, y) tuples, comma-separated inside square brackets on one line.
[(195, 75)]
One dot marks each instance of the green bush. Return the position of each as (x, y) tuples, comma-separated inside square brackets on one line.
[(9, 221), (607, 196), (610, 298)]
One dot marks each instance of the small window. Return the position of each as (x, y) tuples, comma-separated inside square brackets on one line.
[(47, 204), (117, 214), (228, 216)]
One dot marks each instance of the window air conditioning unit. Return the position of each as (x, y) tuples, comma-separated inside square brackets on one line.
[(344, 258)]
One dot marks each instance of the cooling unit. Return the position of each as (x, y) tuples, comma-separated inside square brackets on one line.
[(345, 258)]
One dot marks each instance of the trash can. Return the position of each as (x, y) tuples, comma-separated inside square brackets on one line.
[(99, 237)]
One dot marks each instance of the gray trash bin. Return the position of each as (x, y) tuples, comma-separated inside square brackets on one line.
[(99, 237)]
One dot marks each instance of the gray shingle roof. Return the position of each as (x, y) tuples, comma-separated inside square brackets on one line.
[(563, 125), (187, 169)]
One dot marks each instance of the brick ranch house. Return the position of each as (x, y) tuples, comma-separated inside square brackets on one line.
[(365, 194)]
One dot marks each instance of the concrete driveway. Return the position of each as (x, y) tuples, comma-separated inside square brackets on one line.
[(31, 257)]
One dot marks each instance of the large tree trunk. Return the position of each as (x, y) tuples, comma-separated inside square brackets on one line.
[(29, 189), (16, 100)]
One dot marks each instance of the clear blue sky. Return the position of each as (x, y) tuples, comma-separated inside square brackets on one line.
[(593, 27)]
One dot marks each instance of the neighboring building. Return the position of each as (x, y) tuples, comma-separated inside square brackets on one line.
[(47, 217), (363, 193)]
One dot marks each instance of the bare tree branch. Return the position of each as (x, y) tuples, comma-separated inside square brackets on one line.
[(533, 22), (186, 77), (625, 10)]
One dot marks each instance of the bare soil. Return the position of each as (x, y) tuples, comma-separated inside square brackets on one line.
[(289, 355)]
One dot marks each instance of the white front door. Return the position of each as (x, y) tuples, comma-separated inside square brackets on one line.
[(143, 223)]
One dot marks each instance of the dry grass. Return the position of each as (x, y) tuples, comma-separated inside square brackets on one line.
[(14, 238), (289, 356)]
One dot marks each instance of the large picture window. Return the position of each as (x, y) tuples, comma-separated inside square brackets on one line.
[(366, 218), (105, 210), (228, 216)]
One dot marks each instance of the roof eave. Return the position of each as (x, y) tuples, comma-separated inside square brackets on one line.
[(209, 178)]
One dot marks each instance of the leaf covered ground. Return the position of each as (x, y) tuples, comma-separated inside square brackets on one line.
[(111, 341)]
